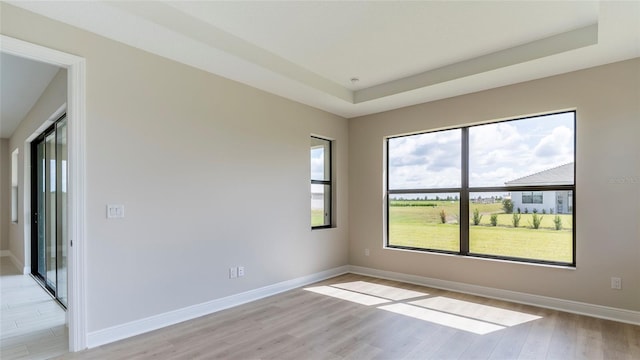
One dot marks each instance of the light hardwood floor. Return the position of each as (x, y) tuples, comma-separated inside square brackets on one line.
[(32, 324), (357, 317)]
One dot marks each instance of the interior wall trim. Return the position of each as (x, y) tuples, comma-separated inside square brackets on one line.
[(575, 307), (137, 327), (14, 260), (133, 328), (76, 117)]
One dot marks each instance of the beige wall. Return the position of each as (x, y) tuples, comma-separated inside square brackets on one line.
[(232, 165), (212, 174), (5, 193), (607, 100), (38, 119)]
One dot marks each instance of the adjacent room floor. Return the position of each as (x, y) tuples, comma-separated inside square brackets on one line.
[(32, 323), (358, 317)]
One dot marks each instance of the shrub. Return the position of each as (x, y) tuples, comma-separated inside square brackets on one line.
[(516, 220), (494, 219), (557, 221), (536, 221), (507, 206), (476, 216), (544, 211), (518, 210), (443, 216), (535, 211), (551, 211), (526, 211)]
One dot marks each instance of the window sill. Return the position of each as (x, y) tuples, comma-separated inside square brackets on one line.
[(322, 227)]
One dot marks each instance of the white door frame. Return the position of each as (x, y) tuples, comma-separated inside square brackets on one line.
[(76, 120)]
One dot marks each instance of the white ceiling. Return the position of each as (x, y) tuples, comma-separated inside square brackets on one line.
[(22, 81), (403, 53)]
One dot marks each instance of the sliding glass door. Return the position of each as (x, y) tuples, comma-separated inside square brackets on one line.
[(49, 210)]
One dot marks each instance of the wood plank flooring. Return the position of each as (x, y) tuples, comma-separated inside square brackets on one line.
[(358, 317), (32, 324)]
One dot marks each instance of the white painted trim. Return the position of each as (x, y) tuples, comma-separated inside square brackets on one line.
[(119, 332), (598, 311), (76, 120), (45, 125), (14, 260)]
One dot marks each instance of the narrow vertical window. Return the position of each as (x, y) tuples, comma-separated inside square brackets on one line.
[(14, 186), (321, 188)]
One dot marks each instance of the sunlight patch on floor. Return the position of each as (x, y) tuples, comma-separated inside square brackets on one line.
[(441, 318), (486, 313), (458, 314), (348, 295), (383, 291)]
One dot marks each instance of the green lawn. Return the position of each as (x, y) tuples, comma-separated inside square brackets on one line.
[(317, 217), (421, 227)]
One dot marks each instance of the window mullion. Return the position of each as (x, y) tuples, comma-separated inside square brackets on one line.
[(523, 203), (464, 194)]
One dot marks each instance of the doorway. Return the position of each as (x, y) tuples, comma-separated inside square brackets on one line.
[(76, 214), (49, 233)]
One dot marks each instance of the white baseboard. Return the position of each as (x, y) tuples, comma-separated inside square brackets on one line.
[(598, 311), (14, 260), (119, 332), (133, 328)]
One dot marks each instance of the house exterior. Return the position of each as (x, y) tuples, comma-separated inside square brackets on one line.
[(557, 202)]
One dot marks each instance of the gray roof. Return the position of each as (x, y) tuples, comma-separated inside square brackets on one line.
[(560, 175)]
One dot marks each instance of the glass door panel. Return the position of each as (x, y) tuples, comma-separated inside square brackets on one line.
[(40, 212), (50, 209), (49, 204), (61, 191)]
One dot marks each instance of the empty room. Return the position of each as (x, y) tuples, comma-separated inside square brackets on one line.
[(320, 180)]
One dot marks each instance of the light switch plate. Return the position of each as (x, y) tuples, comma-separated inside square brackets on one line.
[(115, 211)]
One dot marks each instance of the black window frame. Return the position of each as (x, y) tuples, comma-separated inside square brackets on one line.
[(329, 183), (465, 190)]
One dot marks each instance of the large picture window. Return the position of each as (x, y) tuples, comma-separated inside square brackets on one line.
[(503, 190), (321, 186)]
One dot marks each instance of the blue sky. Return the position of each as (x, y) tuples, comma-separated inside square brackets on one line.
[(317, 163), (499, 152)]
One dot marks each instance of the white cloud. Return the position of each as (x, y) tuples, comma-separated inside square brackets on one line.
[(557, 145), (317, 164), (425, 160), (498, 153)]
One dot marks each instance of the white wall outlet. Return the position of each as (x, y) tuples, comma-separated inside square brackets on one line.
[(115, 211), (233, 272), (240, 271), (366, 252), (616, 283)]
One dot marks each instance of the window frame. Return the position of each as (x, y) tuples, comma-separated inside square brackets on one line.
[(329, 183), (532, 196), (465, 190), (15, 186)]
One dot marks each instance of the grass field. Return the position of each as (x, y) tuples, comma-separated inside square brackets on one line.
[(417, 223), (317, 217)]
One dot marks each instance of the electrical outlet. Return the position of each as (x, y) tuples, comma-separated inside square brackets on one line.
[(233, 272), (240, 271), (616, 283), (366, 252)]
